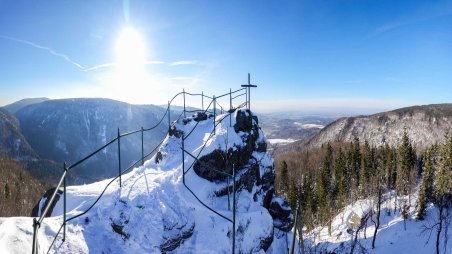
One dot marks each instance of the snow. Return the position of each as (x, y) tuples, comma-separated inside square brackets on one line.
[(153, 206), (391, 236), (275, 141), (308, 125)]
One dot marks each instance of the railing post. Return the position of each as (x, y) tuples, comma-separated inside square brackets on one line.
[(169, 116), (214, 113), (119, 158), (183, 158), (230, 107), (202, 101), (183, 92), (233, 209), (64, 203), (142, 147), (229, 194), (246, 98), (35, 236)]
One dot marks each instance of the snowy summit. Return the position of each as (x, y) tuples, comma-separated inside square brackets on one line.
[(155, 211)]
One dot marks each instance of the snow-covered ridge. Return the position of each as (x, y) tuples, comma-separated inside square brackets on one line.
[(426, 125), (154, 212)]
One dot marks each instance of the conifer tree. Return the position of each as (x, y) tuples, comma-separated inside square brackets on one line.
[(421, 202), (283, 177), (390, 166), (292, 194), (405, 165), (340, 177), (7, 191), (443, 187), (323, 187), (356, 161), (426, 187)]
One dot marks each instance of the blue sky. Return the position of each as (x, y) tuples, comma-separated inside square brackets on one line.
[(346, 57)]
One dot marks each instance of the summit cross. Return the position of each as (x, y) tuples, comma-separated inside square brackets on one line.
[(249, 85)]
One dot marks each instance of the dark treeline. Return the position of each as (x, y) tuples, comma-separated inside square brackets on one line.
[(324, 180)]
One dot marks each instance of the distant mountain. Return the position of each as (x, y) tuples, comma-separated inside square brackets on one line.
[(12, 142), (16, 106), (426, 125), (69, 129), (282, 128)]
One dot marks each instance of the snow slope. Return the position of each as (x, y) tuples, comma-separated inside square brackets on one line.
[(391, 236), (153, 211)]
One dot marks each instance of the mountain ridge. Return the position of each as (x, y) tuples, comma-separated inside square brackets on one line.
[(66, 130), (426, 124)]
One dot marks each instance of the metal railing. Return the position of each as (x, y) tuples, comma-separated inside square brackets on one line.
[(62, 182)]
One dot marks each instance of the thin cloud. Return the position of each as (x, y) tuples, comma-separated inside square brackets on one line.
[(410, 21), (51, 51), (184, 62), (95, 67)]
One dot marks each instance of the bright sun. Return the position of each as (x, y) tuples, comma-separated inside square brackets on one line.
[(130, 49), (131, 74)]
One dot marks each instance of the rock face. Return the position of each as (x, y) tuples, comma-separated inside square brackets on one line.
[(12, 142), (37, 210), (253, 177)]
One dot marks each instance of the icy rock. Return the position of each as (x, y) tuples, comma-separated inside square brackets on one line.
[(174, 235), (282, 214), (36, 213)]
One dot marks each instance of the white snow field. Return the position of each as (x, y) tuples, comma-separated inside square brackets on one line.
[(153, 207), (391, 236)]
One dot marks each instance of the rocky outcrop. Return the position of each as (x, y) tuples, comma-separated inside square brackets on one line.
[(174, 235), (282, 214), (253, 177)]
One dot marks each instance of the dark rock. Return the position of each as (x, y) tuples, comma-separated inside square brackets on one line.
[(200, 116), (281, 214), (211, 165), (243, 121), (36, 213), (268, 198), (120, 230), (249, 178), (185, 121), (174, 235), (158, 157), (265, 243), (268, 179), (262, 147), (175, 132)]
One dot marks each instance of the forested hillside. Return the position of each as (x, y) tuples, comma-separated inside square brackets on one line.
[(19, 190), (325, 180)]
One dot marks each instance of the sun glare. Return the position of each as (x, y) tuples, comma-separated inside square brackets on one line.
[(130, 49), (130, 74)]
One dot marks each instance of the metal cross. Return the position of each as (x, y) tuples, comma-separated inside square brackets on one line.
[(249, 85)]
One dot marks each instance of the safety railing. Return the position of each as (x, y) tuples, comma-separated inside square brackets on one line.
[(196, 159), (211, 109)]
